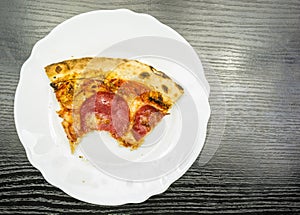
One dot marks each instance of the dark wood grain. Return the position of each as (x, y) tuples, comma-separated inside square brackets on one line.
[(253, 47)]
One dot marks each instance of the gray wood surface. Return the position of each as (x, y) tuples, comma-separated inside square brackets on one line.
[(254, 49)]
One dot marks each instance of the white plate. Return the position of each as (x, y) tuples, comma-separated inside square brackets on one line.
[(171, 143), (42, 136)]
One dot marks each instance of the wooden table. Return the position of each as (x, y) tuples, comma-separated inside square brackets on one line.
[(253, 49)]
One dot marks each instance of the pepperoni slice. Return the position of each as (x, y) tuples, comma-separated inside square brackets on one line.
[(105, 111), (145, 119)]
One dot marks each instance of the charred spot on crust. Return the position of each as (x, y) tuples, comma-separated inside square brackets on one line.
[(59, 66), (54, 86), (161, 74), (151, 67), (58, 69), (158, 100), (179, 87), (144, 75), (165, 88), (67, 85)]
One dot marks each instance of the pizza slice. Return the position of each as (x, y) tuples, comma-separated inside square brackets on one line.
[(126, 98)]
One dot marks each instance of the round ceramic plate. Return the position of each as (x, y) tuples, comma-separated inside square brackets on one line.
[(80, 175), (175, 138)]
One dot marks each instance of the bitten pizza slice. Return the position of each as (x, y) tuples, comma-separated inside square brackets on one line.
[(126, 98)]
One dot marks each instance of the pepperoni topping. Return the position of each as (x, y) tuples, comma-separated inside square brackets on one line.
[(145, 119), (107, 112)]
